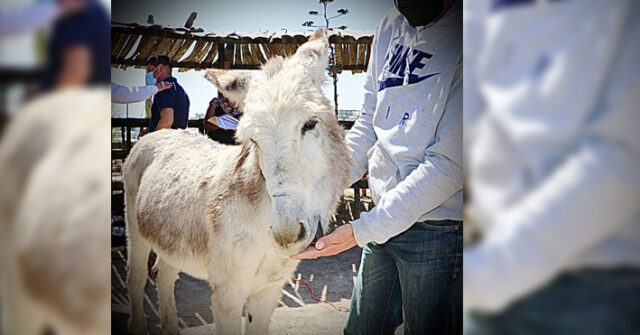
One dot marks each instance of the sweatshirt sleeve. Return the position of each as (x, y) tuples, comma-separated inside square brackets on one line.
[(125, 95), (436, 179), (592, 195)]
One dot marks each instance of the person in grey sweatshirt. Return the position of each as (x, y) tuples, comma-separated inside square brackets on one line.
[(409, 139)]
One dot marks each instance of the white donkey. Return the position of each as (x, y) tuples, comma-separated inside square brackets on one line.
[(232, 215)]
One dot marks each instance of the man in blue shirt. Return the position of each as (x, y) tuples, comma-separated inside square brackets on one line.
[(170, 108), (78, 50)]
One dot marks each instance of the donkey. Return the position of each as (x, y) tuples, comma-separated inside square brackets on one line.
[(54, 216), (232, 215)]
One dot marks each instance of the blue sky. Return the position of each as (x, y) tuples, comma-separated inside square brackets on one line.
[(243, 15)]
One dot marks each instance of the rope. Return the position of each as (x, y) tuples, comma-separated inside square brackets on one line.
[(313, 296)]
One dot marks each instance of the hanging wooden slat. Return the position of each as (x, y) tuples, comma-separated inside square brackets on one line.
[(144, 52), (353, 52), (228, 55), (147, 50), (196, 52), (117, 42), (143, 41), (163, 47), (248, 57), (182, 50), (287, 44), (276, 49), (128, 46), (175, 47), (238, 55), (211, 56), (267, 50), (257, 53), (288, 49), (361, 54), (284, 50), (346, 58), (337, 53)]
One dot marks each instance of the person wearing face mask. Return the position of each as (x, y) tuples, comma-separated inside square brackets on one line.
[(409, 139), (170, 108)]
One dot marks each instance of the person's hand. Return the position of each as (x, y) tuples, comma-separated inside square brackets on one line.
[(338, 241), (163, 85)]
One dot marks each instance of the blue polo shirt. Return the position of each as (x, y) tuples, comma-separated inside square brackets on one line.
[(91, 28), (175, 98)]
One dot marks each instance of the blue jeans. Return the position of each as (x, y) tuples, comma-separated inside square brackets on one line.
[(582, 302), (414, 278)]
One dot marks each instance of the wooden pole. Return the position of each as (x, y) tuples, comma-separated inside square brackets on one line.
[(335, 91), (220, 63)]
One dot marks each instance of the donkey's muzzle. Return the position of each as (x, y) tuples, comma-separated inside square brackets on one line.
[(290, 232)]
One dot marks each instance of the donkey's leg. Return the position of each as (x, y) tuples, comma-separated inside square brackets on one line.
[(260, 308), (167, 275), (136, 280), (227, 309), (23, 315)]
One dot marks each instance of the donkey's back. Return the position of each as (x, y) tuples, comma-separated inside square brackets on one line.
[(170, 176)]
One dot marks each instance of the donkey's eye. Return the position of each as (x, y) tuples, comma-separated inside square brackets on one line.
[(309, 125)]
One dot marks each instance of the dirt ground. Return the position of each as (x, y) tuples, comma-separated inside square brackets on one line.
[(331, 278)]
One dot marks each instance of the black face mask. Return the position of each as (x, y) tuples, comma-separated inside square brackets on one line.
[(419, 12)]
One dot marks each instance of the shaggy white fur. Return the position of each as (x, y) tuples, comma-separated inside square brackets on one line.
[(232, 215), (54, 215)]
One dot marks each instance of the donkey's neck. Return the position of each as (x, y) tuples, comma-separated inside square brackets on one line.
[(248, 178)]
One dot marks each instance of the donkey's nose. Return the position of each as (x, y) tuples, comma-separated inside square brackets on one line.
[(290, 232)]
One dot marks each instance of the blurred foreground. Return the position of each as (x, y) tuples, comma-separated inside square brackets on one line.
[(552, 164), (54, 215)]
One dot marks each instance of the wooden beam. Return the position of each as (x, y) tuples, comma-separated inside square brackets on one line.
[(203, 65), (170, 33)]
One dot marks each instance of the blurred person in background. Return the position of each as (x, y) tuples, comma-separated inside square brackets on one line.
[(409, 139), (553, 168), (79, 48), (170, 108), (218, 107)]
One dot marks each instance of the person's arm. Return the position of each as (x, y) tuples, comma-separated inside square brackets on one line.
[(76, 66), (124, 95), (211, 112), (593, 194), (166, 118)]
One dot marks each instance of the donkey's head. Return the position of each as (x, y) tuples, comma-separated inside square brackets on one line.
[(290, 125)]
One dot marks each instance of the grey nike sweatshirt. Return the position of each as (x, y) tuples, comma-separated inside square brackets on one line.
[(409, 136)]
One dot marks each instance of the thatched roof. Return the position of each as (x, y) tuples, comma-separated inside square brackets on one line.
[(132, 44)]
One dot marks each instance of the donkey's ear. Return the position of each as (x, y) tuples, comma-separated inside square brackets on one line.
[(314, 55), (233, 84)]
